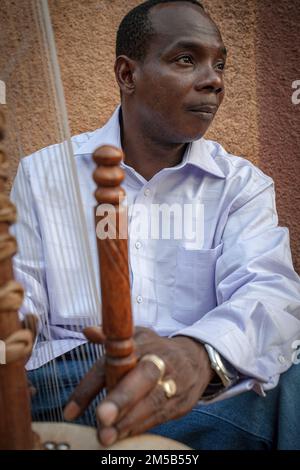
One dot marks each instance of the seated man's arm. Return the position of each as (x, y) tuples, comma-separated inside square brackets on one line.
[(257, 318), (29, 267)]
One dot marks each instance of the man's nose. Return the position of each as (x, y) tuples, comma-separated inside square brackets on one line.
[(210, 79)]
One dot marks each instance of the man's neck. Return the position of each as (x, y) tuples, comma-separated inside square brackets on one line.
[(146, 155)]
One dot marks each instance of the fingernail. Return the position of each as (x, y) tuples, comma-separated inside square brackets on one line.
[(71, 411), (108, 436), (107, 413)]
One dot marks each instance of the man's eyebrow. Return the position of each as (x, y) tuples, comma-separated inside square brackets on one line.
[(224, 51), (189, 44)]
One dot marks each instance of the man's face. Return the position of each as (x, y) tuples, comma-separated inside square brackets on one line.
[(179, 85)]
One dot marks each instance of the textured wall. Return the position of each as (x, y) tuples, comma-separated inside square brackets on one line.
[(278, 66), (256, 120)]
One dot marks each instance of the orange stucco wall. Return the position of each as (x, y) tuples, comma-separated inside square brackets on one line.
[(257, 119)]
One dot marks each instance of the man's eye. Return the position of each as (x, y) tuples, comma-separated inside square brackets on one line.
[(185, 59), (220, 66)]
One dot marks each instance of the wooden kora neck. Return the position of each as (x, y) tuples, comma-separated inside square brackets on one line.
[(112, 220)]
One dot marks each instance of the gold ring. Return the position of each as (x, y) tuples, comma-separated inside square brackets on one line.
[(160, 364), (169, 387)]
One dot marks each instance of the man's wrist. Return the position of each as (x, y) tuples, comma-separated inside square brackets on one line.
[(198, 350), (218, 374)]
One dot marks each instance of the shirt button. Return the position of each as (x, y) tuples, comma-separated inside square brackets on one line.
[(139, 299), (147, 192), (281, 359), (138, 245)]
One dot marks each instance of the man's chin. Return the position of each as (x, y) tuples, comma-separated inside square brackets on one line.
[(187, 135), (195, 136), (195, 133)]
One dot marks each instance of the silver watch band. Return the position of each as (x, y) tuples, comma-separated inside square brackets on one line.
[(227, 374)]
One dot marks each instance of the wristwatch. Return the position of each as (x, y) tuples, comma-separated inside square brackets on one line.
[(227, 374)]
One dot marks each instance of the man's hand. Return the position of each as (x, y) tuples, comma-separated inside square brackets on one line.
[(19, 344), (138, 402)]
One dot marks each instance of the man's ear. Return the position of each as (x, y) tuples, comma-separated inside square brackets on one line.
[(125, 72)]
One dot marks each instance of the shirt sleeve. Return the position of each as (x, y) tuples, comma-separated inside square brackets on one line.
[(28, 263), (256, 322)]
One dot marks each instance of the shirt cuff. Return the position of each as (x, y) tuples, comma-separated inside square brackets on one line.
[(244, 385), (258, 373)]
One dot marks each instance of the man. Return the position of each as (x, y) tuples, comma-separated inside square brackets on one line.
[(221, 315)]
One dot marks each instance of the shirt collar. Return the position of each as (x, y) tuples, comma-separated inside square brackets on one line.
[(199, 153), (107, 135)]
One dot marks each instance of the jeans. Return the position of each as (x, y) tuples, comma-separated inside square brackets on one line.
[(246, 421)]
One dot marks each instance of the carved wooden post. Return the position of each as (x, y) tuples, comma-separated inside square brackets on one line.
[(15, 420), (113, 262)]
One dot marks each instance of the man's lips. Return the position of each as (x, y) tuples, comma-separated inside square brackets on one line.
[(204, 108), (204, 112)]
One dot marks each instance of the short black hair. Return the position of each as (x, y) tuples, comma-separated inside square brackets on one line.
[(136, 29)]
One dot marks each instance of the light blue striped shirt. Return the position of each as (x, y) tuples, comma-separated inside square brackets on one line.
[(234, 288)]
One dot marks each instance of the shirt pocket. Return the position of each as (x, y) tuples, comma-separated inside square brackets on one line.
[(194, 292)]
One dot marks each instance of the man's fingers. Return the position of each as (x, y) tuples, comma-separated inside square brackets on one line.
[(129, 391), (154, 409), (131, 388), (18, 346), (89, 387), (154, 405), (147, 424), (94, 334), (30, 322)]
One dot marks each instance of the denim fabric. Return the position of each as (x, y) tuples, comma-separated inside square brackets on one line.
[(246, 421)]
